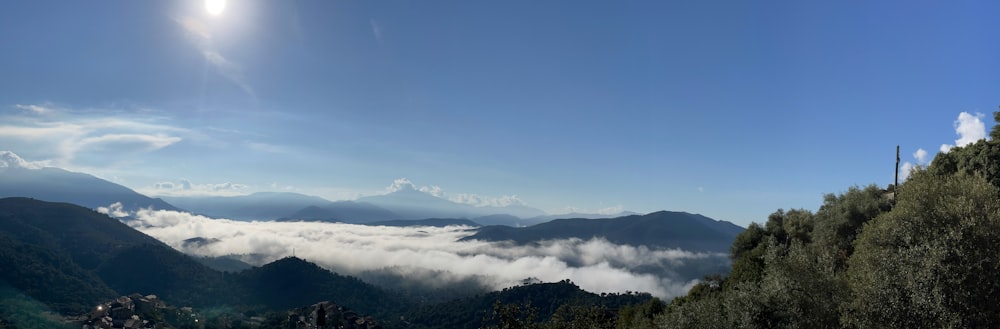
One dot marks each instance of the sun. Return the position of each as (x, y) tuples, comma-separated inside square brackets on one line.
[(215, 7)]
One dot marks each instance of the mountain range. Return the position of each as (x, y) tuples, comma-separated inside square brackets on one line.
[(406, 206), (663, 229), (56, 249), (416, 204), (70, 258), (256, 206), (19, 179)]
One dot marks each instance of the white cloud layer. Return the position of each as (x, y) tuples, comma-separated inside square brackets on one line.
[(595, 265)]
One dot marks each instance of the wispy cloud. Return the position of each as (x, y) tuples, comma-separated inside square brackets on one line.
[(376, 31), (61, 136), (144, 142), (596, 264), (34, 109)]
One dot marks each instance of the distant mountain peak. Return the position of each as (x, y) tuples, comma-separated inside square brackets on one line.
[(10, 159), (29, 179)]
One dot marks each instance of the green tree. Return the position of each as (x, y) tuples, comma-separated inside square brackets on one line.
[(793, 224), (747, 240), (801, 287), (581, 317), (979, 158), (932, 260), (640, 316), (748, 250), (747, 253), (840, 218), (513, 316)]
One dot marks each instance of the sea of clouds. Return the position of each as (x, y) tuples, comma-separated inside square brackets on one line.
[(595, 265)]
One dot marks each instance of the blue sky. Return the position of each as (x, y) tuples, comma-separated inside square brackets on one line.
[(731, 109)]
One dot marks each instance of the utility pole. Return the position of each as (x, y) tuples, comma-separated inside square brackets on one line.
[(895, 186)]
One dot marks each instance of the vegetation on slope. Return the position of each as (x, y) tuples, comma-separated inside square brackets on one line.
[(921, 255), (527, 305)]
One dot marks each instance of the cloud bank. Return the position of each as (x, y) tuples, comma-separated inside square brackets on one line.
[(595, 265)]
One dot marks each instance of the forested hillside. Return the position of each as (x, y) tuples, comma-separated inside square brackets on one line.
[(549, 305), (59, 259), (921, 255)]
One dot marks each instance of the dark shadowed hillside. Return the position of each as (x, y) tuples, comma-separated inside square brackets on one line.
[(80, 250), (291, 281), (88, 237), (71, 258)]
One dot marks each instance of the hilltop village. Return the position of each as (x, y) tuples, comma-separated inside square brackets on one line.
[(136, 311)]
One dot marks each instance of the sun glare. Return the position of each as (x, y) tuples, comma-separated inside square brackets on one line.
[(215, 7)]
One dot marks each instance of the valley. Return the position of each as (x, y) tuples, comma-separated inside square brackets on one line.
[(398, 270)]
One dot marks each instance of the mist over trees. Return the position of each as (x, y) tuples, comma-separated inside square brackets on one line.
[(920, 255)]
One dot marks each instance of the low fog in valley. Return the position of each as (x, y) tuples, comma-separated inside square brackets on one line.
[(595, 265)]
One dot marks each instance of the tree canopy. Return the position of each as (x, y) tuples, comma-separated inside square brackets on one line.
[(923, 254)]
